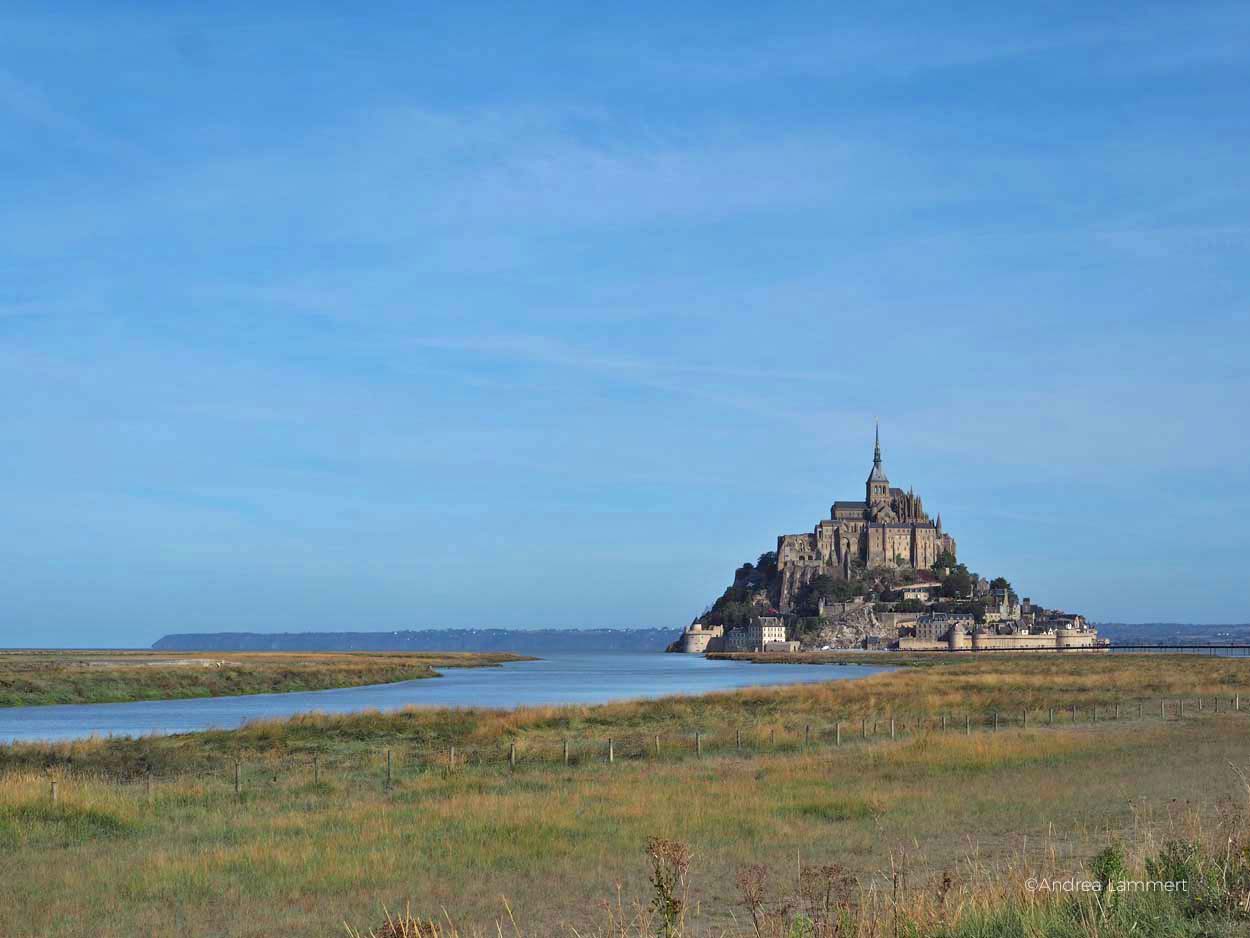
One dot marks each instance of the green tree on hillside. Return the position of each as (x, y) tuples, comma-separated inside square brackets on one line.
[(958, 582), (828, 588)]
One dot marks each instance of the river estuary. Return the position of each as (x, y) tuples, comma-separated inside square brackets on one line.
[(557, 679)]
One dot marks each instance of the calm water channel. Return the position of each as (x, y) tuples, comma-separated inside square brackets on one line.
[(557, 679)]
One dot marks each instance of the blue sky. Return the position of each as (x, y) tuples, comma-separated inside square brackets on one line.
[(469, 315)]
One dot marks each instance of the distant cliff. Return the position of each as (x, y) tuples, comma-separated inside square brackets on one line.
[(521, 641)]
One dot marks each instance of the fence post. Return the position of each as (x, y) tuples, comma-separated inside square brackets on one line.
[(837, 731), (943, 722), (1050, 717), (1074, 713), (388, 768), (147, 786), (891, 727), (865, 727), (566, 750), (1117, 709), (512, 755), (995, 720), (698, 745), (1163, 714), (316, 769), (1024, 718), (52, 792), (1095, 716), (611, 751), (967, 725), (451, 757), (657, 745), (1181, 707), (1139, 709), (738, 739), (1237, 702), (236, 776), (1199, 703)]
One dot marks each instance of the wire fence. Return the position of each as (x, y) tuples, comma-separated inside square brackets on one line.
[(387, 766)]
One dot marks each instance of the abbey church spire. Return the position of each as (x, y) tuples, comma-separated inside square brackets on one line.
[(878, 486)]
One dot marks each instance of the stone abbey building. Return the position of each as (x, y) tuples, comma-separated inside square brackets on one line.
[(889, 526)]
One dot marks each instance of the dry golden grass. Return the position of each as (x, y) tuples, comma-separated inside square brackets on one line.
[(293, 858), (552, 842)]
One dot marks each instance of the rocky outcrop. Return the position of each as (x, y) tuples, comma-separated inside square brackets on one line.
[(848, 628)]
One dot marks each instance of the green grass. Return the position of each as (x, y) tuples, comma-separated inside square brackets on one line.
[(40, 824), (70, 677)]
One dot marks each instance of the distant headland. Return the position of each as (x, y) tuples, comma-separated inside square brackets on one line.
[(877, 573), (520, 641)]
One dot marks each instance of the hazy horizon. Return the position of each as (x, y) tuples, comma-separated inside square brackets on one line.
[(318, 322)]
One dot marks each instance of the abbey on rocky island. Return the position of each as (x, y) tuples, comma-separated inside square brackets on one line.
[(876, 574), (889, 526)]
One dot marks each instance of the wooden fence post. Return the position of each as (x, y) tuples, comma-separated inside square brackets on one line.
[(837, 730), (943, 722), (512, 755), (236, 777), (1163, 713), (1139, 710), (566, 750), (738, 739), (451, 757), (388, 768), (1095, 715), (1050, 716), (611, 751), (316, 769), (1117, 709), (52, 791), (1237, 702), (1074, 713), (891, 727), (865, 727), (698, 745), (995, 720), (657, 745), (967, 725)]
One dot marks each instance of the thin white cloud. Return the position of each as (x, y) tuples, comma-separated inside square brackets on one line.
[(24, 101)]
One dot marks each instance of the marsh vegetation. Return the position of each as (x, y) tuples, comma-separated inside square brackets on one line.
[(933, 833)]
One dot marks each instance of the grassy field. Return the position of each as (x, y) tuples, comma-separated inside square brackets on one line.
[(62, 677), (776, 831)]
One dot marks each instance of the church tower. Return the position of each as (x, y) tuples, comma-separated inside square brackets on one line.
[(877, 486)]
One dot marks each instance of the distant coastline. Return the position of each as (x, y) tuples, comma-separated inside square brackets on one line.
[(518, 641), (1173, 632)]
